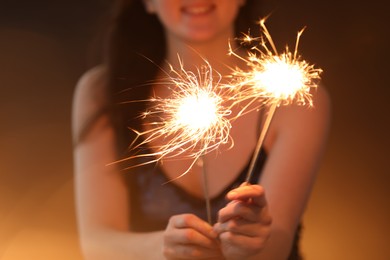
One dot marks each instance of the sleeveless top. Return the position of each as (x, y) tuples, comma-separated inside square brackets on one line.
[(153, 199)]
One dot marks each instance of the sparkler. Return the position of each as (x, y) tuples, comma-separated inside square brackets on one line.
[(274, 79), (192, 122)]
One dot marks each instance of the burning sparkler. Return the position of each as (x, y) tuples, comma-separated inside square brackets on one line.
[(192, 122), (274, 79)]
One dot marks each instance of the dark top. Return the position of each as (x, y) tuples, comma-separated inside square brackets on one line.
[(154, 199)]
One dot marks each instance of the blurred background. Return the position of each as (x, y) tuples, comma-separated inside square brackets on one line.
[(43, 51)]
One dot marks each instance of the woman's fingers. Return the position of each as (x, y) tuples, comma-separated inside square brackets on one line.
[(190, 221), (189, 237), (243, 210), (188, 230), (248, 202), (240, 237), (244, 224), (253, 194), (239, 209), (238, 226)]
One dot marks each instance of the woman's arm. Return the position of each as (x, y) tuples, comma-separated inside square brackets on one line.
[(299, 139), (101, 194)]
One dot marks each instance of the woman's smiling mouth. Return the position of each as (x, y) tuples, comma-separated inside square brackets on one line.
[(198, 9)]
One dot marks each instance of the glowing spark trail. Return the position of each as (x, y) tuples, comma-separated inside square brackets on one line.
[(190, 123), (274, 79)]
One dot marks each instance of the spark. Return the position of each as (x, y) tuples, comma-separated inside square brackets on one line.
[(273, 79), (191, 122)]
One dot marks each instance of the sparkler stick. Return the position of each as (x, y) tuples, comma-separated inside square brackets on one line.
[(274, 79), (201, 163), (260, 142)]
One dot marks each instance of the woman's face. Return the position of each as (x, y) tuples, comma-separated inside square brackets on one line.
[(195, 20)]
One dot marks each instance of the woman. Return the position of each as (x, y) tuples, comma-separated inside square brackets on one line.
[(130, 214)]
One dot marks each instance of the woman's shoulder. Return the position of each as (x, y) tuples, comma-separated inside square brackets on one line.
[(90, 96), (304, 120), (319, 108), (92, 83)]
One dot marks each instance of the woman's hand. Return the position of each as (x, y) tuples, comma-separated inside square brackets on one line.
[(189, 237), (244, 225)]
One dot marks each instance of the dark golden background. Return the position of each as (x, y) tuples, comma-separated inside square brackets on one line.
[(43, 47)]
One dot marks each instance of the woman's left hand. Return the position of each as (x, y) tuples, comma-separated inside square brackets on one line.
[(244, 224)]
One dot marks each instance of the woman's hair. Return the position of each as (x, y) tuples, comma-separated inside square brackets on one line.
[(135, 47)]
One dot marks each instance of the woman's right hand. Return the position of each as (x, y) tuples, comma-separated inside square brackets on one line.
[(189, 237)]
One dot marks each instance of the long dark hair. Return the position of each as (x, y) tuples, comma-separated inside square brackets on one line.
[(134, 39)]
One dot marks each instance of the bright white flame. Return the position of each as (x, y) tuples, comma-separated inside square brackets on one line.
[(282, 80), (197, 112), (275, 78)]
